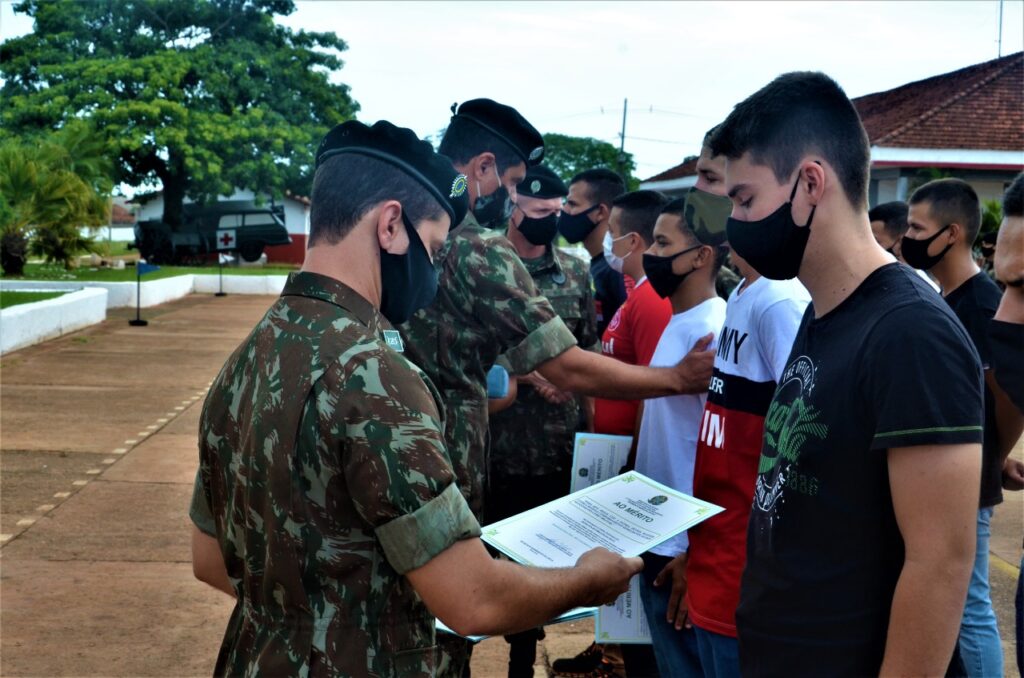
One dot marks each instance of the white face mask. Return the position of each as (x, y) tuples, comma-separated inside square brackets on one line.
[(614, 260)]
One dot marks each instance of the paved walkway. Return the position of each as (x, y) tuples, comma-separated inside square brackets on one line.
[(98, 441)]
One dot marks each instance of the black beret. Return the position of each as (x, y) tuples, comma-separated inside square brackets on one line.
[(407, 152), (541, 182), (508, 125)]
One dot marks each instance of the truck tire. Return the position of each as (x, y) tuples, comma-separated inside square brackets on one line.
[(251, 250)]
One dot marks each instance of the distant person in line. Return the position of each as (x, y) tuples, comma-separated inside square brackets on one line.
[(889, 225), (584, 219), (862, 531), (945, 216)]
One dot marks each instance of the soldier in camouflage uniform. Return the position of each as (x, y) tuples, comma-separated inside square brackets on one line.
[(488, 305), (323, 476), (532, 440)]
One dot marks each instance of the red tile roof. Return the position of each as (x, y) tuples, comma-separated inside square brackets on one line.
[(687, 169), (978, 107), (120, 215)]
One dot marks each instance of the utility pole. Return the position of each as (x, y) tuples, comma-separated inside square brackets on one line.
[(622, 139), (1000, 28)]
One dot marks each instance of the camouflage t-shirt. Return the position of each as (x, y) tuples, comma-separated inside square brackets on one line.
[(486, 305), (324, 478), (532, 436)]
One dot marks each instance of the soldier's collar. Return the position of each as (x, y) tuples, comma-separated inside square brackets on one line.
[(325, 288)]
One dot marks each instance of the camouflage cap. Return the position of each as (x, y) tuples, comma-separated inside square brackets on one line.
[(410, 154), (706, 214)]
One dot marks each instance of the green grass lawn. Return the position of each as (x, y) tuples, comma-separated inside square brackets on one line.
[(85, 273), (9, 298)]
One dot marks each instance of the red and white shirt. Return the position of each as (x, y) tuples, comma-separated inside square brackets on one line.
[(761, 322)]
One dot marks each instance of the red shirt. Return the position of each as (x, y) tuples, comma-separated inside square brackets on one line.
[(631, 336)]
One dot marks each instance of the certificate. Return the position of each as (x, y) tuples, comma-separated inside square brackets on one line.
[(571, 615), (597, 457), (624, 621), (627, 514)]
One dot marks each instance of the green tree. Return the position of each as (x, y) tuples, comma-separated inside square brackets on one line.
[(201, 96), (50, 188), (567, 156)]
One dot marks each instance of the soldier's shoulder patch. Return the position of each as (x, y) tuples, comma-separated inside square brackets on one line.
[(394, 340)]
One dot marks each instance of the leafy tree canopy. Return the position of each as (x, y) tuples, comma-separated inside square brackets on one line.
[(568, 155), (201, 96)]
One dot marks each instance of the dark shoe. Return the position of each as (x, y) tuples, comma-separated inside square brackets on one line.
[(580, 666), (607, 669)]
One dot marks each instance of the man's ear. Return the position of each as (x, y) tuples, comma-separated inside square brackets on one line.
[(956, 232), (813, 177), (391, 233), (483, 165), (602, 212)]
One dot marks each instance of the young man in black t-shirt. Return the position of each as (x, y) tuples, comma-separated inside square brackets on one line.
[(944, 219), (862, 532)]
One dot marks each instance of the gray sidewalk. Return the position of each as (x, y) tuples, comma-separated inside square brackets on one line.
[(98, 442)]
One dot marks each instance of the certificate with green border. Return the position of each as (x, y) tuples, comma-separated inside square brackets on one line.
[(628, 514)]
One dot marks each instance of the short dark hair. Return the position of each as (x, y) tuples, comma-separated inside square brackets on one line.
[(794, 115), (952, 201), (348, 186), (640, 210), (893, 216), (708, 136), (465, 139), (1013, 199), (603, 184), (677, 208)]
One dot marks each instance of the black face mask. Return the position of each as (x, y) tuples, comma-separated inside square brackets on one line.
[(1006, 344), (775, 245), (915, 252), (493, 211), (539, 231), (408, 281), (576, 227), (664, 281)]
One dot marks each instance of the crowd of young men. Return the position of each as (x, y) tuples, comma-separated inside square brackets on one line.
[(854, 423)]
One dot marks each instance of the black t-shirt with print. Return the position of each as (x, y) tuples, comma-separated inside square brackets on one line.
[(974, 303), (889, 367)]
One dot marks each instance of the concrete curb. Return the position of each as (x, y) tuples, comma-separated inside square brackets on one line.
[(27, 324), (156, 292)]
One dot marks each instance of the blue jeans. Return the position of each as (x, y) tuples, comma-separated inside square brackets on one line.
[(979, 636), (719, 655), (1018, 603), (674, 651)]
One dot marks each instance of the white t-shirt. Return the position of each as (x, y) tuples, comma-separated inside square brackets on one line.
[(768, 313), (668, 431)]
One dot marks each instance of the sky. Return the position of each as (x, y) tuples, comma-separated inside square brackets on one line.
[(568, 66)]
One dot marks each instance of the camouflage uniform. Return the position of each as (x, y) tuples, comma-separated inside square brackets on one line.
[(534, 437), (486, 305), (324, 478)]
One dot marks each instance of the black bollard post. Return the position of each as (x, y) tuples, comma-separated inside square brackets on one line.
[(138, 321), (220, 273)]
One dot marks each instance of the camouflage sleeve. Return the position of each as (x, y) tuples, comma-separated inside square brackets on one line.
[(396, 467), (507, 301), (199, 508)]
